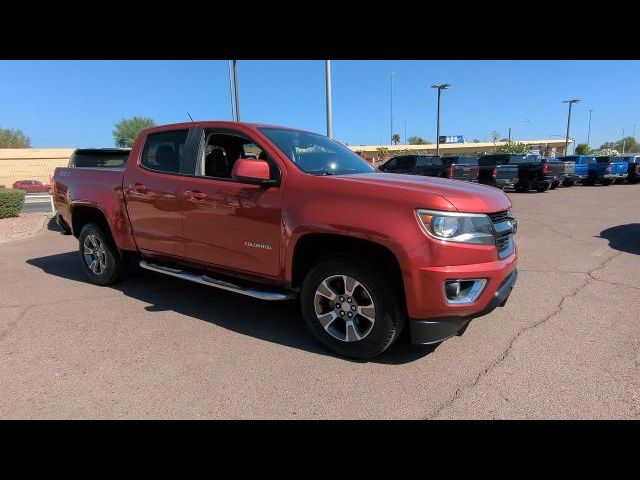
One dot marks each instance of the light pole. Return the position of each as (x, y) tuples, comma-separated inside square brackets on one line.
[(589, 129), (405, 132), (235, 86), (440, 87), (624, 142), (327, 67), (566, 142), (233, 113), (393, 74)]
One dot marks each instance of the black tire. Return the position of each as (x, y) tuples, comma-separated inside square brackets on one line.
[(543, 187), (522, 186), (389, 313), (113, 264), (606, 182), (554, 185), (568, 183)]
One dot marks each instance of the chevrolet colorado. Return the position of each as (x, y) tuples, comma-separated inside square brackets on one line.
[(364, 251)]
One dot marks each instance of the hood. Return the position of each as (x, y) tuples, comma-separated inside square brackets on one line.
[(463, 196)]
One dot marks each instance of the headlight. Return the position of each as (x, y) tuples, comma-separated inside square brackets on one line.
[(457, 227)]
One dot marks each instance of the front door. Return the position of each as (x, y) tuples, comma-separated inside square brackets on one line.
[(227, 223)]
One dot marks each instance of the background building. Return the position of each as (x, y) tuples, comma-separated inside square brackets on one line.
[(31, 163)]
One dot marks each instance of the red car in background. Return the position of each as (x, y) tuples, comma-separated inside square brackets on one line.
[(32, 186)]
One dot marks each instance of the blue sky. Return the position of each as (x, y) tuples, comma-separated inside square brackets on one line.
[(76, 103)]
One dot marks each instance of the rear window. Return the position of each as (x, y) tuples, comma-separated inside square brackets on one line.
[(464, 160), (516, 159), (99, 159), (603, 160), (164, 151), (425, 161)]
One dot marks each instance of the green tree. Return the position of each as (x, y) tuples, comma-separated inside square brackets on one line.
[(415, 140), (127, 129), (582, 149), (494, 136), (514, 148), (13, 139), (630, 145), (395, 138)]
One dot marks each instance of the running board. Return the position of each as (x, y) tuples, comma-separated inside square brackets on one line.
[(212, 282)]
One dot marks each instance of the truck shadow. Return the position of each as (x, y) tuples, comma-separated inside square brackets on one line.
[(625, 238), (277, 322)]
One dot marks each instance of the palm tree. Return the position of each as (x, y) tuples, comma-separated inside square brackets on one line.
[(494, 136), (395, 138)]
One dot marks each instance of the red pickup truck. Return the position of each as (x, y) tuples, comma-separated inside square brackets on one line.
[(277, 213)]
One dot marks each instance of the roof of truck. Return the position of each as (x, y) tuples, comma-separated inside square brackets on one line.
[(219, 123)]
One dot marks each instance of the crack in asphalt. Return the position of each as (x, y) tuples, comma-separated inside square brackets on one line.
[(558, 309)]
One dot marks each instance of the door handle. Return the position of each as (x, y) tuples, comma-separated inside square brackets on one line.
[(195, 194), (138, 187)]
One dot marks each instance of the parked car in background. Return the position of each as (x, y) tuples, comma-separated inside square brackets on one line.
[(32, 186), (99, 157), (569, 177), (580, 166), (615, 169), (366, 252), (457, 167), (633, 168), (495, 171), (534, 172)]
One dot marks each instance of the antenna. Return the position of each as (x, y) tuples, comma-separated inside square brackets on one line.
[(190, 116)]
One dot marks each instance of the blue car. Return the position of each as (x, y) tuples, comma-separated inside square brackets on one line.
[(590, 169)]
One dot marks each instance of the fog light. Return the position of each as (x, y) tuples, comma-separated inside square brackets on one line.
[(464, 291)]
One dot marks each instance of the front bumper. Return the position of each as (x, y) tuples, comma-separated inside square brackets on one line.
[(435, 330)]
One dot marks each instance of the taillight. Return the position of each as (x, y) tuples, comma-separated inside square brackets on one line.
[(450, 171), (477, 171), (545, 168), (609, 168), (638, 169), (494, 172)]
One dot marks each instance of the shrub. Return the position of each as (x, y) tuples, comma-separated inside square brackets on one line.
[(11, 201)]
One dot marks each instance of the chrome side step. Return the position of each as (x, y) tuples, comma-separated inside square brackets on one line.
[(212, 282)]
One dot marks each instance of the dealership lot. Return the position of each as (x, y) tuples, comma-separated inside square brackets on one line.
[(566, 345)]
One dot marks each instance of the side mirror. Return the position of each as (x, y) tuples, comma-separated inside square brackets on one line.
[(251, 170)]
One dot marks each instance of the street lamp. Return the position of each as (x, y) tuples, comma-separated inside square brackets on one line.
[(327, 65), (393, 74), (566, 142), (589, 129), (235, 86), (440, 87)]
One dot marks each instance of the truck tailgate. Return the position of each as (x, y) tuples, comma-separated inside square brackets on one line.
[(506, 171), (465, 172)]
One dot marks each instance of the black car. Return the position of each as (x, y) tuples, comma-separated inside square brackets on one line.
[(456, 167), (534, 171)]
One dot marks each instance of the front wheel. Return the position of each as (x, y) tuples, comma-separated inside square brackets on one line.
[(554, 185), (606, 182), (101, 259), (350, 307), (567, 183)]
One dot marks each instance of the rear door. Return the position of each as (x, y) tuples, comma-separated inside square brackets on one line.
[(152, 188)]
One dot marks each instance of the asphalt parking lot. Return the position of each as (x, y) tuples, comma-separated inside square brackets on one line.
[(566, 345)]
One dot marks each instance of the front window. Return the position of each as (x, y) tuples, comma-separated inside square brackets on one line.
[(316, 154)]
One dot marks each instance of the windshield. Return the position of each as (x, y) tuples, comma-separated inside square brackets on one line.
[(316, 154)]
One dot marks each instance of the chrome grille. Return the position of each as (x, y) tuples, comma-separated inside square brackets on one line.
[(503, 237)]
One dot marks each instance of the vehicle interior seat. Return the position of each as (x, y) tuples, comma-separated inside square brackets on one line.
[(216, 164), (166, 159)]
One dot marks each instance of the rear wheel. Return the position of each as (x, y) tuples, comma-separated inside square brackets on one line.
[(554, 185), (543, 187), (522, 186), (350, 307), (567, 183), (101, 259), (606, 182)]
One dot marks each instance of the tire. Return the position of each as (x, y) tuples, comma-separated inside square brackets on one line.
[(607, 182), (109, 266), (322, 290), (543, 187), (568, 183), (522, 186), (554, 185)]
